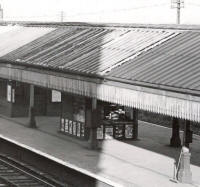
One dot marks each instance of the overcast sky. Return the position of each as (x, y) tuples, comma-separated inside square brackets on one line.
[(124, 11)]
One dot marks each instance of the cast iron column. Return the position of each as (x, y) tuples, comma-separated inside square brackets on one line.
[(32, 122), (93, 142), (175, 139), (187, 134), (135, 123)]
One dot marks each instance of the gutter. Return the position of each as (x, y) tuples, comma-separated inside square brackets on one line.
[(53, 69)]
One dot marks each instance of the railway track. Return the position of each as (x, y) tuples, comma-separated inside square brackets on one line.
[(16, 174)]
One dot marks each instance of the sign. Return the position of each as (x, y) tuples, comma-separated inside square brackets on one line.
[(70, 127), (100, 132), (119, 131), (13, 95), (108, 132), (62, 127), (78, 129), (9, 93), (74, 128), (66, 125), (55, 96), (82, 130), (128, 131)]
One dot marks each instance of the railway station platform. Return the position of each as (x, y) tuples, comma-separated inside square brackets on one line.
[(145, 162)]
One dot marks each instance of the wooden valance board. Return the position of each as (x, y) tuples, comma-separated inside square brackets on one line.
[(57, 81), (178, 105)]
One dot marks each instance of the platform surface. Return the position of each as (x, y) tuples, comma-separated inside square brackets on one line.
[(146, 162)]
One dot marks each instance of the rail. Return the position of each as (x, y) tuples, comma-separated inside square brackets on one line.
[(14, 174)]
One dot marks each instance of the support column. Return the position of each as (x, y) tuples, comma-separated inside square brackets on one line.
[(32, 122), (187, 134), (93, 142), (175, 139), (135, 124)]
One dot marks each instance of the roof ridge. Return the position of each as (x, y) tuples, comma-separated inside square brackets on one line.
[(108, 25)]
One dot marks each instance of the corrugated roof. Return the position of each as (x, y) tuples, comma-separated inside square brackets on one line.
[(91, 50), (143, 56), (157, 56), (174, 63)]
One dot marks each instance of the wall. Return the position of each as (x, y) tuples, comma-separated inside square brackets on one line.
[(67, 106), (53, 108), (20, 107)]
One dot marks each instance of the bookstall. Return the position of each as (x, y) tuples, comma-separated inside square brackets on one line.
[(116, 124), (115, 121), (72, 120)]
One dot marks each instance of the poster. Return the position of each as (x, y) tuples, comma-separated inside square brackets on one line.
[(55, 96), (62, 125), (74, 128), (128, 131), (109, 132), (13, 95), (9, 93), (70, 124), (78, 129), (119, 131), (100, 132), (66, 125), (82, 130)]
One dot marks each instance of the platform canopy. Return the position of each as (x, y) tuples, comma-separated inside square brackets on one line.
[(153, 68)]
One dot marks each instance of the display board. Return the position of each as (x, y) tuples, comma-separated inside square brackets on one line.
[(109, 132), (121, 130), (78, 129), (13, 96), (62, 124), (66, 125), (72, 127), (100, 133), (128, 131), (9, 93), (55, 96), (73, 113)]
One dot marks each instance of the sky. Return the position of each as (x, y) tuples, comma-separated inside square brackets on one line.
[(109, 11)]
